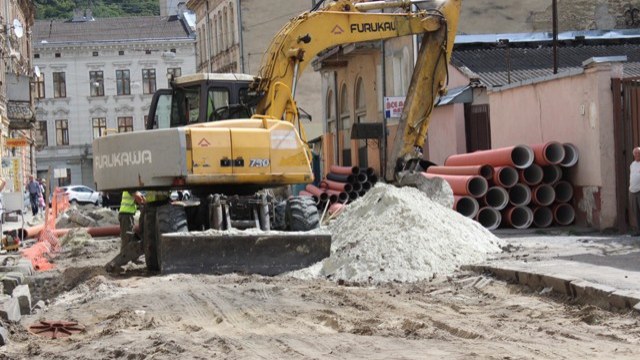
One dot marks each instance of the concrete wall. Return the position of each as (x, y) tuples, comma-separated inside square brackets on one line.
[(446, 135), (576, 109)]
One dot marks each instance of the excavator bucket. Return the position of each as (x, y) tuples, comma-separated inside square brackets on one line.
[(221, 252), (436, 189)]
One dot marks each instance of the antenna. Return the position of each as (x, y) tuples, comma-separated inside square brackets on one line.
[(18, 31)]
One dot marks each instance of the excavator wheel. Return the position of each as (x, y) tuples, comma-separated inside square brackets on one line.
[(301, 214), (157, 221)]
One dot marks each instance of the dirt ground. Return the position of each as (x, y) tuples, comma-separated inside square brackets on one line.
[(463, 316)]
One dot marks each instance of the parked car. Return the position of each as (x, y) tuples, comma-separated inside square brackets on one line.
[(82, 194)]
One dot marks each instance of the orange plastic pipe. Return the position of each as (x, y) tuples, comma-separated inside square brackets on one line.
[(472, 185), (520, 156), (486, 171), (317, 192), (338, 186), (344, 170), (549, 153)]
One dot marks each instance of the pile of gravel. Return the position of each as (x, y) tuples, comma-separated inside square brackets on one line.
[(400, 234)]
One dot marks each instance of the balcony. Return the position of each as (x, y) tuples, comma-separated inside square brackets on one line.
[(20, 109)]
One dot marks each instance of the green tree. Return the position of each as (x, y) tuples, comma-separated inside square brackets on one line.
[(63, 9)]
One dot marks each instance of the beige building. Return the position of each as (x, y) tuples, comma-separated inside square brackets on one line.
[(233, 35), (16, 94)]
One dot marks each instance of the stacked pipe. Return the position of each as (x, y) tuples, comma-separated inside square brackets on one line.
[(343, 184), (517, 186)]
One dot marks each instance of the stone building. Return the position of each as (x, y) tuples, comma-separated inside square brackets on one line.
[(99, 76), (16, 100)]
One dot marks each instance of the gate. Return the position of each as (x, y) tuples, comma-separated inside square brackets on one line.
[(626, 127)]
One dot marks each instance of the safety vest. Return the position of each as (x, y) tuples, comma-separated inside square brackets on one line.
[(127, 205)]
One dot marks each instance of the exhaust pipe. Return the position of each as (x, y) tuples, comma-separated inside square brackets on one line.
[(497, 197), (564, 191), (543, 195), (532, 175), (486, 171), (519, 217), (570, 155), (505, 176), (550, 153), (520, 195), (542, 216), (473, 185), (563, 214), (489, 218), (520, 156), (466, 205)]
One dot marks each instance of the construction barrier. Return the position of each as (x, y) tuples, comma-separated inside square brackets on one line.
[(48, 244)]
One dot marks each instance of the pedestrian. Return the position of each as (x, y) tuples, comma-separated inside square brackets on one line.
[(34, 191), (41, 202), (634, 189), (130, 248)]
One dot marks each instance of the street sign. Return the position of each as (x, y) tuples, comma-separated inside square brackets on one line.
[(393, 106), (16, 142)]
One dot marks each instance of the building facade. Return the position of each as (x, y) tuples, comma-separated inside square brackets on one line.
[(98, 76), (234, 34), (16, 98)]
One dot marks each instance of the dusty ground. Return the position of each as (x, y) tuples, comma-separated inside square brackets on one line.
[(140, 316)]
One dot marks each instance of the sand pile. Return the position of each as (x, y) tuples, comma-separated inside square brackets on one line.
[(399, 234)]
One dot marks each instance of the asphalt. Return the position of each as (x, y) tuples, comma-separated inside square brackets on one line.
[(587, 266)]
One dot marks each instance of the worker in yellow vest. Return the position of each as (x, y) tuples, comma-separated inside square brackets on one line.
[(130, 246)]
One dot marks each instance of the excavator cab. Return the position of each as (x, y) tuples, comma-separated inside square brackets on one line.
[(201, 98)]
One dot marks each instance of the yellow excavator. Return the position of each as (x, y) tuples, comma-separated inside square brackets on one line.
[(228, 138)]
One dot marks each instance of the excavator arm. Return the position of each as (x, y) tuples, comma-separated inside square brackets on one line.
[(345, 22)]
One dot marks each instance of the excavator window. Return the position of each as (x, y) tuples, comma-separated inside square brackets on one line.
[(185, 106), (217, 102)]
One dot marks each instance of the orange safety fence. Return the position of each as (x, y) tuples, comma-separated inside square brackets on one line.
[(48, 244)]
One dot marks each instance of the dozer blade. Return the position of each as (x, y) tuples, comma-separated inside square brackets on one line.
[(269, 254)]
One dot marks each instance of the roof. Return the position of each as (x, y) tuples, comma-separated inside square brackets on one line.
[(199, 77), (116, 29), (494, 64)]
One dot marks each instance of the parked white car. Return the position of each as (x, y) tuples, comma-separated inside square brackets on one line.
[(82, 194)]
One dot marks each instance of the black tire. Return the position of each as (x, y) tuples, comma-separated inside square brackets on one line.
[(302, 214), (159, 220)]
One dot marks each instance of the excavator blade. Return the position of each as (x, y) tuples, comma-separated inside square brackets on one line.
[(219, 252)]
